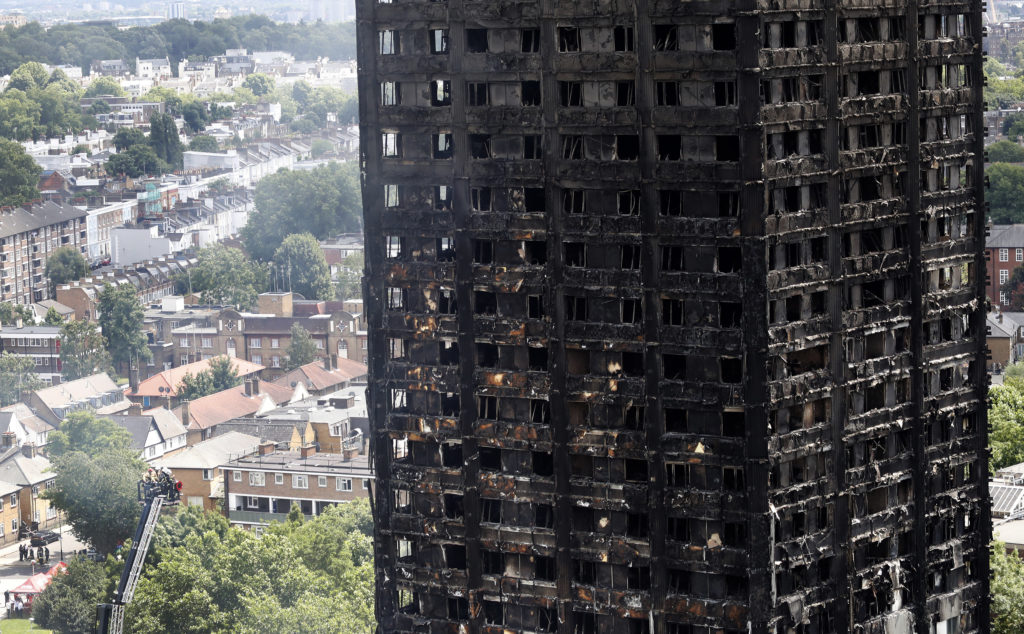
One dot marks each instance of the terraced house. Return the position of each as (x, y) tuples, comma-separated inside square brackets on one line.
[(675, 315)]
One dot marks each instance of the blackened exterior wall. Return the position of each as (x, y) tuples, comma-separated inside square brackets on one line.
[(675, 315)]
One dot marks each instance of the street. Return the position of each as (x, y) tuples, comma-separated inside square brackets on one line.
[(14, 572)]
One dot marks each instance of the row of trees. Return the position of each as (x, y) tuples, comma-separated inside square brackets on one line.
[(37, 104), (81, 44)]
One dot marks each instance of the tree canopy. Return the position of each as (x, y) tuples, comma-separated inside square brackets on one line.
[(1006, 152), (350, 278), (20, 182), (17, 375), (300, 261), (38, 104), (83, 350), (164, 139), (204, 143), (88, 433), (65, 265), (259, 84), (304, 577), (224, 276), (80, 44), (68, 604), (103, 86), (301, 349), (322, 202), (220, 376), (1006, 193), (98, 495), (120, 320), (1007, 591)]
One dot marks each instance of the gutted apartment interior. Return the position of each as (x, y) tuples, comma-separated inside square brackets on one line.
[(676, 315)]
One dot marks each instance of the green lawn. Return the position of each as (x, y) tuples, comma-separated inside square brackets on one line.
[(17, 626)]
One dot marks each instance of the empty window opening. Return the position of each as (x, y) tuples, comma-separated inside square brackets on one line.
[(568, 39), (487, 355), (440, 92), (570, 93), (623, 36), (485, 303), (535, 252), (439, 41), (723, 37), (675, 420), (666, 37), (530, 93), (529, 40), (476, 40)]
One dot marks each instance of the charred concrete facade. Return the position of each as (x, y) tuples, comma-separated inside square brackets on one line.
[(676, 315)]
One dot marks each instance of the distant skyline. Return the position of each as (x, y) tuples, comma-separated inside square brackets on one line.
[(288, 11)]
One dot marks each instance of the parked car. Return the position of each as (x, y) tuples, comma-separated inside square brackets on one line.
[(42, 538)]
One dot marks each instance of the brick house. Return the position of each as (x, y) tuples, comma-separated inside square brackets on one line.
[(260, 488), (199, 467), (1004, 252)]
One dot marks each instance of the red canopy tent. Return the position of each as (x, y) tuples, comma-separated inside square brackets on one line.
[(60, 566), (33, 585)]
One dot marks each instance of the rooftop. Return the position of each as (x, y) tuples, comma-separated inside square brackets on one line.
[(292, 461), (168, 382), (211, 453)]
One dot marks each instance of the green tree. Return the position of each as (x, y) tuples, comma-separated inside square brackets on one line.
[(127, 137), (220, 376), (20, 182), (28, 76), (164, 139), (1005, 152), (65, 265), (1006, 193), (321, 147), (98, 495), (19, 115), (90, 434), (103, 86), (350, 284), (136, 161), (1006, 419), (302, 576), (301, 261), (323, 202), (81, 148), (99, 107), (259, 84), (225, 276), (17, 375), (11, 313), (204, 143), (120, 320), (83, 350), (68, 604), (52, 317), (195, 115), (1007, 591), (302, 349)]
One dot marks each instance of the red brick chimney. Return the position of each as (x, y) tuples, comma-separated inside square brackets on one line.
[(307, 451), (267, 448), (28, 450)]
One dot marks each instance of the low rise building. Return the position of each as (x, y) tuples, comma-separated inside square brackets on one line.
[(33, 474), (152, 279), (97, 392), (156, 69), (334, 423), (155, 433), (1004, 249), (161, 389), (39, 343), (319, 377), (253, 397), (19, 425), (261, 488), (199, 467)]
